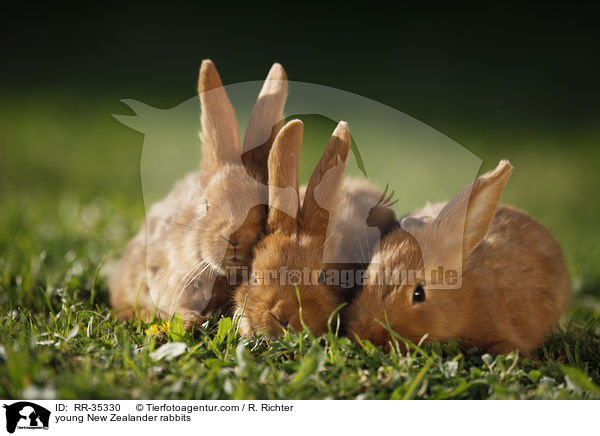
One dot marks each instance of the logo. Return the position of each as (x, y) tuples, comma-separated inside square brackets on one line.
[(26, 415)]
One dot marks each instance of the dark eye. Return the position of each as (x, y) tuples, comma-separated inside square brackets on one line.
[(322, 278), (418, 295), (206, 205)]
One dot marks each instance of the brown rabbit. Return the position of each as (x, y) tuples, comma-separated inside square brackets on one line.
[(313, 238), (211, 219), (508, 283)]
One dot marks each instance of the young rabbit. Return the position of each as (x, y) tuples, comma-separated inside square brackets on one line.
[(510, 281), (211, 219), (303, 245)]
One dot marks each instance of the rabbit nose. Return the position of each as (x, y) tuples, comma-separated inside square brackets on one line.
[(233, 243), (284, 323)]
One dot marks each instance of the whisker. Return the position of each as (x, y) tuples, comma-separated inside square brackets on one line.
[(368, 249), (191, 280), (203, 265), (175, 223), (183, 279), (381, 199), (328, 238)]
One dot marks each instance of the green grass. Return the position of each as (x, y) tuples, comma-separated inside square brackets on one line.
[(70, 198)]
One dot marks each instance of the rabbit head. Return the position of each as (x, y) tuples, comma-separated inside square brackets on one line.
[(291, 257), (406, 290), (231, 214)]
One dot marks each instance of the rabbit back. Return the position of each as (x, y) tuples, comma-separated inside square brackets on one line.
[(518, 282)]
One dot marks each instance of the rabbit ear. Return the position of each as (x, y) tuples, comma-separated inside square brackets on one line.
[(480, 200), (283, 178), (265, 121), (220, 136), (321, 202)]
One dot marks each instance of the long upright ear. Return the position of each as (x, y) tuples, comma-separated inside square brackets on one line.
[(480, 200), (220, 136), (283, 178), (265, 122), (322, 199)]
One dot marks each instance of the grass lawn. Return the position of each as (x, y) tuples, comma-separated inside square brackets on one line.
[(70, 198)]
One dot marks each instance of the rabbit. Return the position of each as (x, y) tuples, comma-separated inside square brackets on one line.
[(210, 220), (328, 232), (511, 281)]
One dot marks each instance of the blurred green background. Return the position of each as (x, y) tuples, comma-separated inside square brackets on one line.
[(503, 81)]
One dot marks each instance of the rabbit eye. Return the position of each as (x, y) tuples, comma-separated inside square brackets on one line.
[(322, 278), (418, 295), (206, 205)]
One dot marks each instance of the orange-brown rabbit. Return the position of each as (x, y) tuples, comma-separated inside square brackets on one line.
[(504, 283), (211, 219), (304, 246)]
